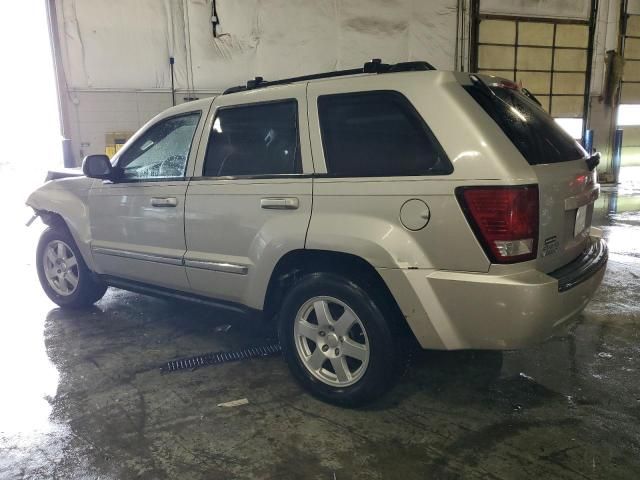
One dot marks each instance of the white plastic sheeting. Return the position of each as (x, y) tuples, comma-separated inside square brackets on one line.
[(124, 44), (574, 9)]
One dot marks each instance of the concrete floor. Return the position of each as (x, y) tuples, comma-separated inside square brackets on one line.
[(82, 396)]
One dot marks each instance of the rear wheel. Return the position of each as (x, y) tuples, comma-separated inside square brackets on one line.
[(336, 340), (63, 274)]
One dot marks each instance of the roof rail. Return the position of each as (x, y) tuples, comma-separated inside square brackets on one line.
[(374, 66)]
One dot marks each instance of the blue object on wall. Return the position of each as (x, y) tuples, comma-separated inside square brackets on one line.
[(588, 141), (617, 154)]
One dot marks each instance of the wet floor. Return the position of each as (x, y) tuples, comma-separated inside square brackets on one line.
[(81, 394)]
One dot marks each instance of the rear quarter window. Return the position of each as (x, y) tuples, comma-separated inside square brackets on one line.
[(379, 133), (535, 133)]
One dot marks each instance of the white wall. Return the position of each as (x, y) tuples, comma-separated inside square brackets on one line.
[(115, 54), (125, 44)]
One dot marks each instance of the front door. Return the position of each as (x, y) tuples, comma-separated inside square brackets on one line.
[(137, 223), (249, 202)]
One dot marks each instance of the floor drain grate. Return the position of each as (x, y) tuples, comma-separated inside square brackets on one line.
[(214, 358)]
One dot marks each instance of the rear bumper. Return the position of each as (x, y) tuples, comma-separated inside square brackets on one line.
[(582, 268), (457, 310)]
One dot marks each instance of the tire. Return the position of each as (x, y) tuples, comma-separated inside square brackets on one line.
[(347, 376), (63, 274)]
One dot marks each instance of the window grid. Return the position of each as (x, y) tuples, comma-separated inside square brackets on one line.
[(550, 93), (633, 34)]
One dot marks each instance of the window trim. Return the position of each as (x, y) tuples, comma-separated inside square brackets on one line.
[(412, 110), (182, 178), (264, 176)]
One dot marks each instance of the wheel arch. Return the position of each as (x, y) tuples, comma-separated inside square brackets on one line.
[(64, 204), (297, 263)]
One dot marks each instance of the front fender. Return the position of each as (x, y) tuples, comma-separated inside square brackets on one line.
[(68, 198)]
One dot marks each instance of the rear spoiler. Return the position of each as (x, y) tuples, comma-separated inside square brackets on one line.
[(503, 82)]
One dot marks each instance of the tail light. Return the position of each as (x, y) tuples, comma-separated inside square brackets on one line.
[(504, 219)]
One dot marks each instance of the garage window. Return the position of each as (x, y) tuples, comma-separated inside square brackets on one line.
[(373, 134), (259, 139), (548, 57)]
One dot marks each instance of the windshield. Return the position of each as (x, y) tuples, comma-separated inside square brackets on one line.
[(534, 132)]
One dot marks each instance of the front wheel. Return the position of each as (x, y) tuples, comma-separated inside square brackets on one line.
[(336, 340), (63, 274)]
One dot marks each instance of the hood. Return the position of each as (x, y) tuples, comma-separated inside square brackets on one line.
[(58, 173), (56, 195)]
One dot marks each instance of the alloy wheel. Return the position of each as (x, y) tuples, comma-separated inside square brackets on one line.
[(331, 341), (61, 267)]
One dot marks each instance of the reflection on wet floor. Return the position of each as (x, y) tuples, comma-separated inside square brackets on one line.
[(82, 395)]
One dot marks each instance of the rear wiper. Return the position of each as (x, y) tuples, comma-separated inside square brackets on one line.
[(593, 161)]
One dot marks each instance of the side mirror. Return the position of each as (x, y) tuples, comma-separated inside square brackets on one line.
[(98, 166)]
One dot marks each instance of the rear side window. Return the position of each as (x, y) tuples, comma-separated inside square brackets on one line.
[(373, 134), (538, 137), (259, 139)]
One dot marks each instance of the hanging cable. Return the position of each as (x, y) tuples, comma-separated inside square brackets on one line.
[(173, 85), (214, 19)]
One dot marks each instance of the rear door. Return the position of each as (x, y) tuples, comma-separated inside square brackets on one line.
[(249, 202), (567, 188), (384, 184)]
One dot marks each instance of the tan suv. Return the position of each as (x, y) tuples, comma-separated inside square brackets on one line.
[(349, 207)]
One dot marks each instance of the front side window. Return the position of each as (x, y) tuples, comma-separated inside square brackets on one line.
[(162, 151), (259, 139), (373, 134)]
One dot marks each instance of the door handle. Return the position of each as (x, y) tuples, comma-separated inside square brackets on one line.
[(290, 203), (164, 202)]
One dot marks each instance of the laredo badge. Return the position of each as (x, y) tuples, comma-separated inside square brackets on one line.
[(550, 246)]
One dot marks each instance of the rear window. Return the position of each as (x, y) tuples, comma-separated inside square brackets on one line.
[(378, 133), (538, 137)]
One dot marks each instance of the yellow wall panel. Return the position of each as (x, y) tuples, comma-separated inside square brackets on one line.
[(544, 100), (534, 58), (630, 93), (570, 59), (536, 82), (497, 31), (631, 71), (490, 57), (631, 136), (632, 48), (567, 106), (568, 83), (572, 36), (633, 25), (534, 33)]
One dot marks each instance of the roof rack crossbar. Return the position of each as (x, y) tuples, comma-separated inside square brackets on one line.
[(374, 66)]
